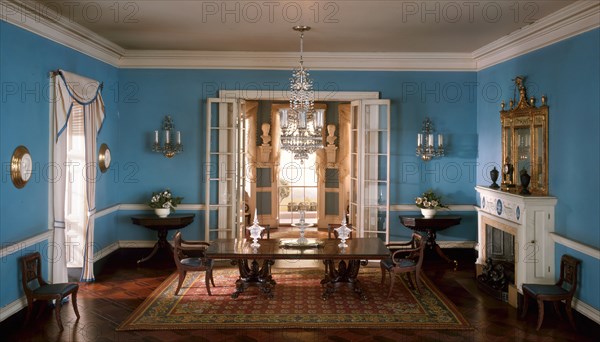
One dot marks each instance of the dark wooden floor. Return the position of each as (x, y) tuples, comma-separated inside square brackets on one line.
[(121, 286)]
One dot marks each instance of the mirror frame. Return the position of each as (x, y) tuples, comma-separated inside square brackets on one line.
[(525, 115)]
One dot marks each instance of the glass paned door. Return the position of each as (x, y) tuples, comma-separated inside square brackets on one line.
[(369, 173), (224, 169)]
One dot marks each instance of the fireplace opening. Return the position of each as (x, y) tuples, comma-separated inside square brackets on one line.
[(499, 269)]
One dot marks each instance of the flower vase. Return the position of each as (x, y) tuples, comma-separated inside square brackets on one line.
[(162, 212), (428, 213)]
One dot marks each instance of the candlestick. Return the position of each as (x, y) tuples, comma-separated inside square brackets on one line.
[(440, 140), (284, 118), (167, 136), (178, 138), (419, 139), (430, 142), (156, 137), (301, 119)]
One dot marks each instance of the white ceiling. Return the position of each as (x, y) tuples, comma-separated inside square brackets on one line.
[(337, 26)]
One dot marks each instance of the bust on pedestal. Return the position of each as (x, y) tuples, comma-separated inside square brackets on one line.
[(330, 149), (265, 149)]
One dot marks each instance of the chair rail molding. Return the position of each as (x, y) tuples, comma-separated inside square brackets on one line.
[(451, 207), (11, 248), (578, 246)]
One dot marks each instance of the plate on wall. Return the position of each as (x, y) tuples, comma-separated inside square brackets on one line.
[(21, 166), (104, 158)]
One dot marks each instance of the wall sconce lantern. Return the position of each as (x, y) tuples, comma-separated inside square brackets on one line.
[(172, 142), (426, 144)]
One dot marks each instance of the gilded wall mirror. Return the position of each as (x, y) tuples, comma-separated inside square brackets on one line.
[(525, 144)]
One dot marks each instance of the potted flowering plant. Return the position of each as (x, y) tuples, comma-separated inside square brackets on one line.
[(164, 202), (429, 203)]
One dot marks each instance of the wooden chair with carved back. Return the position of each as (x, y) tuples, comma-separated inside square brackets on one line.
[(36, 288), (563, 290), (406, 258), (189, 256)]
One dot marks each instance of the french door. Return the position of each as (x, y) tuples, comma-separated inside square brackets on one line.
[(225, 169), (369, 163), (370, 168)]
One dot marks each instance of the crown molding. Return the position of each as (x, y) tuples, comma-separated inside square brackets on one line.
[(287, 60), (572, 20), (45, 22)]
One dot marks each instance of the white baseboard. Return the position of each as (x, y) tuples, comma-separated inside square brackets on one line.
[(137, 243), (457, 244), (106, 251), (12, 308), (586, 310)]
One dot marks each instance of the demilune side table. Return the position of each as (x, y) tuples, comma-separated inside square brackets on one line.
[(162, 226)]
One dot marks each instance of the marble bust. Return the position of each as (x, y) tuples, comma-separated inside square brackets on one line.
[(330, 134)]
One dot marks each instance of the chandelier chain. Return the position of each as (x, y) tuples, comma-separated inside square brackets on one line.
[(300, 124)]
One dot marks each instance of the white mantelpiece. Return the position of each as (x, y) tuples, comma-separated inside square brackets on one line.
[(531, 220)]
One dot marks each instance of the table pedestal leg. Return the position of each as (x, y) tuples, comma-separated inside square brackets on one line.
[(431, 236), (253, 274), (343, 274), (161, 243)]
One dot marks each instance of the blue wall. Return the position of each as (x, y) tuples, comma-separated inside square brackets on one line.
[(447, 97), (25, 62), (567, 72)]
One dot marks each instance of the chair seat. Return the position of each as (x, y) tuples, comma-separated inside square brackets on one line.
[(389, 264), (548, 290), (196, 262), (53, 289)]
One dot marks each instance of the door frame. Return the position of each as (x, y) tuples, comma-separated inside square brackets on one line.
[(283, 95)]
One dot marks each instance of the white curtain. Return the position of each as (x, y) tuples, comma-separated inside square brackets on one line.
[(70, 89)]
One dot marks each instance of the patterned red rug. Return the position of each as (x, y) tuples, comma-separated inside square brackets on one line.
[(297, 303)]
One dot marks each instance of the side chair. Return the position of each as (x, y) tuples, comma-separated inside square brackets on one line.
[(192, 263), (406, 258), (564, 289), (36, 288)]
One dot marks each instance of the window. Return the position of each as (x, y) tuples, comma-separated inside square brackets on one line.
[(297, 189), (75, 203)]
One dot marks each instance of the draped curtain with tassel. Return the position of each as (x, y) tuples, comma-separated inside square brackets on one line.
[(71, 89)]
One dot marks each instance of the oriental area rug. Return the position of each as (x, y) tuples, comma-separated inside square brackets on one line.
[(296, 303)]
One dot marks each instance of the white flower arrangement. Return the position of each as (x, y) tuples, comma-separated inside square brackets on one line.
[(164, 199), (429, 200)]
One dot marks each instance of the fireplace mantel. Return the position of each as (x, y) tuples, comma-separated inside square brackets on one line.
[(531, 220)]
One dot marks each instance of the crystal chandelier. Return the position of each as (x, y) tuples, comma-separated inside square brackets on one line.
[(301, 124)]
